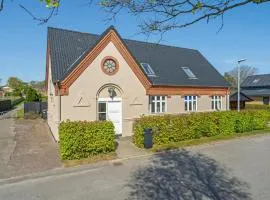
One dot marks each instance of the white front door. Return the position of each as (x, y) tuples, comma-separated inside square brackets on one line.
[(114, 114)]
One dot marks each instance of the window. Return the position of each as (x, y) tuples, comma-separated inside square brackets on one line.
[(102, 111), (147, 69), (158, 104), (256, 81), (109, 65), (190, 103), (216, 102), (189, 73)]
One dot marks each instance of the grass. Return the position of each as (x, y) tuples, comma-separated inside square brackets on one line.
[(90, 160), (20, 114), (205, 140)]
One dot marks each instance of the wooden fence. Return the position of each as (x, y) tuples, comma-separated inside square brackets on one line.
[(35, 107)]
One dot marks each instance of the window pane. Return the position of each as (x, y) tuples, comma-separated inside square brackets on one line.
[(213, 105), (152, 107), (186, 98), (219, 105), (102, 116), (158, 107), (190, 106), (102, 107), (163, 106), (158, 98), (194, 106), (186, 106), (163, 98)]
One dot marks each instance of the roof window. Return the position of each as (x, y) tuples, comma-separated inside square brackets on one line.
[(256, 80), (189, 73), (147, 69)]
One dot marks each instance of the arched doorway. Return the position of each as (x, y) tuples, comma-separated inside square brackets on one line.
[(109, 105)]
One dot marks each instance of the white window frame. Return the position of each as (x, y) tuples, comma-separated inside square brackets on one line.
[(215, 101), (154, 99), (190, 100), (106, 112)]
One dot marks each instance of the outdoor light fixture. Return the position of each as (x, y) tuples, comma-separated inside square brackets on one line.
[(112, 92)]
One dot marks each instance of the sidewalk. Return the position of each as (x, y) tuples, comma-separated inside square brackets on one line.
[(126, 149)]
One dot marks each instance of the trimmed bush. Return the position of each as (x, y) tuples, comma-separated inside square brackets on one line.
[(175, 128), (84, 139)]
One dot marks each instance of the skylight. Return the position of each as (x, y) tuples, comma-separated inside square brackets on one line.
[(256, 80), (147, 69), (189, 73)]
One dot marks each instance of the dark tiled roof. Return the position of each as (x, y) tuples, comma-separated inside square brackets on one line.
[(257, 92), (68, 48), (262, 80), (243, 97)]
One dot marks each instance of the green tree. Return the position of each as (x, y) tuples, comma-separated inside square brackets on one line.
[(38, 85), (232, 75), (32, 95), (17, 85)]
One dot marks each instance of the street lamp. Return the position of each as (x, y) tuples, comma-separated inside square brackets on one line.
[(238, 84)]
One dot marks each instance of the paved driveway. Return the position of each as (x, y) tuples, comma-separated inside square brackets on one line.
[(231, 170), (26, 146)]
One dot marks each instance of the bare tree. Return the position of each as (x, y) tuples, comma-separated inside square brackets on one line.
[(245, 71), (159, 16), (164, 15)]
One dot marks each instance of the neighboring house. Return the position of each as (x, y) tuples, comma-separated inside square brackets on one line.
[(105, 77), (257, 87), (7, 89)]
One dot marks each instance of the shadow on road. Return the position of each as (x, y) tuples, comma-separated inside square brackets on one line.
[(182, 175)]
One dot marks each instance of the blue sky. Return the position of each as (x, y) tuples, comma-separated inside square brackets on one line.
[(246, 34)]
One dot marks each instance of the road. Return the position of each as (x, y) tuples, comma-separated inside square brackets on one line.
[(231, 170)]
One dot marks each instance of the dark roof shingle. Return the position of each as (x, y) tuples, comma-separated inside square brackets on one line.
[(262, 80), (68, 48)]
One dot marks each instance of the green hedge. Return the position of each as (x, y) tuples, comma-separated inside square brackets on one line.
[(174, 128), (83, 139)]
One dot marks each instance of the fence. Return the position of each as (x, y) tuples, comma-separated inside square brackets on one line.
[(17, 101), (35, 107), (5, 105)]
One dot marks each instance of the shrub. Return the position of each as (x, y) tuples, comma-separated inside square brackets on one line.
[(175, 128), (83, 139)]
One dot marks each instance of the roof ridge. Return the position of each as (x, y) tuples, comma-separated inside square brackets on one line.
[(259, 75), (125, 39), (69, 30)]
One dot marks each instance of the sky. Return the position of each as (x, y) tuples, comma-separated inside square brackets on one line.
[(246, 34)]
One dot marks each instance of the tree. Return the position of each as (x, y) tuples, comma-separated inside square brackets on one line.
[(31, 95), (158, 15), (17, 85), (245, 71), (38, 85)]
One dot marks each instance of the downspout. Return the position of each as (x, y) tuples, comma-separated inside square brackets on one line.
[(59, 101)]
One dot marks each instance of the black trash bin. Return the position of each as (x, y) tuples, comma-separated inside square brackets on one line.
[(148, 138)]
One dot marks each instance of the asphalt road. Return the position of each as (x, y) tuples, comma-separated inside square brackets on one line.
[(231, 170)]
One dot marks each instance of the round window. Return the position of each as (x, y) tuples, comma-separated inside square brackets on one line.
[(109, 65)]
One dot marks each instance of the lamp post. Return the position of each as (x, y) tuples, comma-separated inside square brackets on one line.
[(238, 84)]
